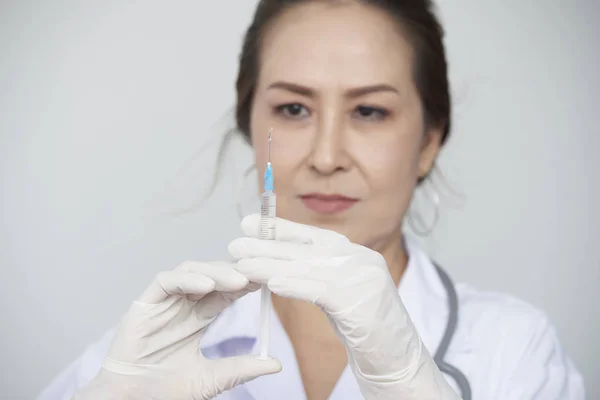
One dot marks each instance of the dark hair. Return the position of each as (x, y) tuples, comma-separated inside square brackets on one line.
[(416, 19)]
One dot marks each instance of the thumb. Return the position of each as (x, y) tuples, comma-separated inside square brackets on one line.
[(233, 371)]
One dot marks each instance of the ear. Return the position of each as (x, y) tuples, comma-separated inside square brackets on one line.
[(430, 149)]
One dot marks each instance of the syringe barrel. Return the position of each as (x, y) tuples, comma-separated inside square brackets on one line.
[(267, 232), (267, 215)]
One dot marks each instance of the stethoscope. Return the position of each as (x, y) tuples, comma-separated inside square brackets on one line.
[(460, 378)]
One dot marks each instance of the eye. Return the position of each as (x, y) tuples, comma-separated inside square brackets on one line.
[(370, 113), (293, 111)]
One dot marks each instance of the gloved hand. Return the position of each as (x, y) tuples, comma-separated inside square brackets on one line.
[(155, 354), (352, 285)]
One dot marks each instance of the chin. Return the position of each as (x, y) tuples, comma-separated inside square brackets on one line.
[(342, 223)]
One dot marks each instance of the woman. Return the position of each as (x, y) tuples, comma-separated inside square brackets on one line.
[(357, 95)]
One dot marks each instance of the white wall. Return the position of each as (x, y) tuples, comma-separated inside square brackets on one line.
[(101, 104)]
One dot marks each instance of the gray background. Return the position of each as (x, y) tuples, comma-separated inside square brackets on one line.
[(106, 109)]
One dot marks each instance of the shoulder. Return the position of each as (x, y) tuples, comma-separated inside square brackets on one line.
[(79, 372), (521, 341), (499, 312), (498, 322)]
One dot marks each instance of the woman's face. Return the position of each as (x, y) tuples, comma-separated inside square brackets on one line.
[(349, 139)]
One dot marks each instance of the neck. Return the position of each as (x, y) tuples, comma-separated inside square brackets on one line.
[(304, 319), (395, 255)]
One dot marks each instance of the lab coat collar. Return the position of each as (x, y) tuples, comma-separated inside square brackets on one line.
[(424, 296), (421, 290)]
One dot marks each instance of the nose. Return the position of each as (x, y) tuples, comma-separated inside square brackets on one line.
[(329, 153)]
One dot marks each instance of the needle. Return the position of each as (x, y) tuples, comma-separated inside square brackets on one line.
[(269, 157)]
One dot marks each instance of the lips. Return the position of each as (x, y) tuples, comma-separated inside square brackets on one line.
[(327, 203)]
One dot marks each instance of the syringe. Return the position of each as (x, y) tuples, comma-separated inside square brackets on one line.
[(267, 232)]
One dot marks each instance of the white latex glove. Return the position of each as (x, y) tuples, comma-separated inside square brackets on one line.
[(155, 354), (352, 285)]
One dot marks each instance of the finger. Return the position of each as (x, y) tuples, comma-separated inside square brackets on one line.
[(262, 270), (247, 247), (288, 231), (168, 283), (230, 372), (299, 288), (230, 296), (226, 278), (215, 302)]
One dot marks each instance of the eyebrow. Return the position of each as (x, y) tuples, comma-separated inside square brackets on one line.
[(351, 93)]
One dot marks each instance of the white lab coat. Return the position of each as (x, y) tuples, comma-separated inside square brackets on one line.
[(507, 349)]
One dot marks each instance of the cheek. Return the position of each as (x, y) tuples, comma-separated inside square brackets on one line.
[(388, 169), (391, 165), (288, 155), (391, 180), (391, 173), (290, 146), (288, 142)]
